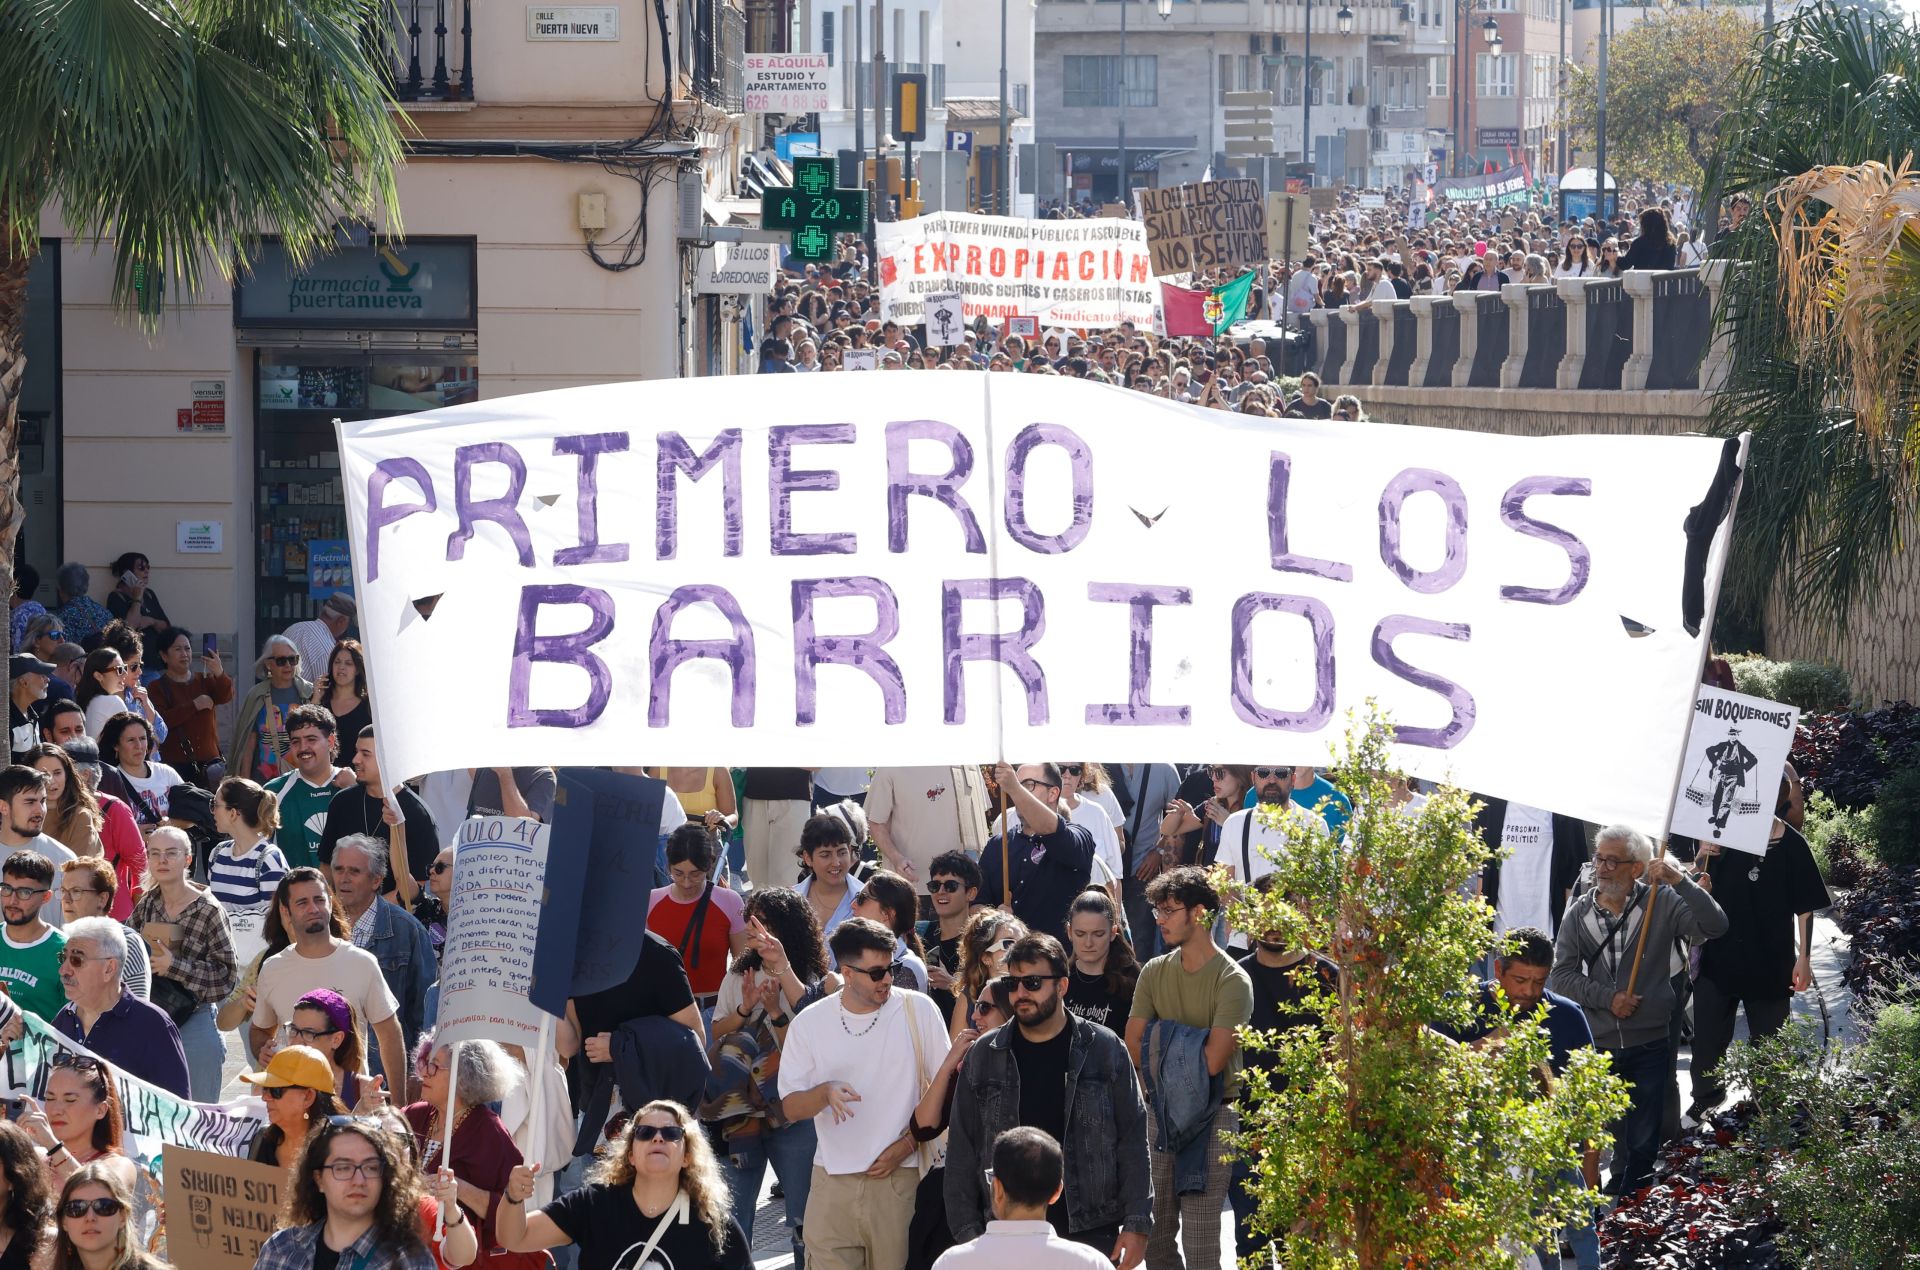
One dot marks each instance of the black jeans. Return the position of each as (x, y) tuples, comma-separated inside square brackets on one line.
[(1714, 1009), (1637, 1136)]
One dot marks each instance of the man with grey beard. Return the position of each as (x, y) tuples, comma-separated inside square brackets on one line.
[(1593, 963)]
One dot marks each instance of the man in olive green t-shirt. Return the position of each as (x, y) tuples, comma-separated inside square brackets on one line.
[(1195, 984)]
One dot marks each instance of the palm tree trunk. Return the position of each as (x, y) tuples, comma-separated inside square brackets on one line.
[(14, 264)]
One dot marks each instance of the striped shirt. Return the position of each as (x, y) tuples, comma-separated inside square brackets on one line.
[(248, 880)]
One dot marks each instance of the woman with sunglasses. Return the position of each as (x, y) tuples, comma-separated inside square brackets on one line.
[(95, 1225), (356, 1203), (1609, 259), (1576, 259), (658, 1189), (298, 1088), (26, 1206), (483, 1154), (258, 747), (991, 933), (783, 970), (103, 677), (1231, 784), (80, 1124), (192, 955)]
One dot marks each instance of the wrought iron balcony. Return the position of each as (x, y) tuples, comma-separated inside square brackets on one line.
[(428, 49)]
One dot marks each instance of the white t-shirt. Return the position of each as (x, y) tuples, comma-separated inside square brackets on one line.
[(1383, 290), (1110, 805), (875, 1054), (1526, 875), (155, 787), (352, 972), (1247, 848)]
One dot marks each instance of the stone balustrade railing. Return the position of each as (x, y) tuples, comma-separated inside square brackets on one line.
[(1641, 331)]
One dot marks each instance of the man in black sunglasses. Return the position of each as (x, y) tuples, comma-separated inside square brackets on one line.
[(1056, 1072)]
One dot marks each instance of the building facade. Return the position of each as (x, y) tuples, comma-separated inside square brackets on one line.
[(556, 181)]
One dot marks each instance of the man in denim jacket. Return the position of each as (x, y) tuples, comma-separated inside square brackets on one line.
[(1051, 1070)]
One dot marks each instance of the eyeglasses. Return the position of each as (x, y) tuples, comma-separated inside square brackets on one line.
[(664, 1132), (169, 853), (8, 890), (940, 886), (1003, 944), (1167, 912), (71, 893), (1267, 773), (104, 1206), (1034, 786), (876, 973), (277, 1092), (283, 660), (346, 1170), (439, 867), (54, 635), (1030, 983), (1072, 769), (75, 958), (1605, 862), (80, 1062), (310, 1033)]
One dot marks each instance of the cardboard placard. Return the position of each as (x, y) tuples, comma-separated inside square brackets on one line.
[(1205, 227), (1737, 749), (220, 1211)]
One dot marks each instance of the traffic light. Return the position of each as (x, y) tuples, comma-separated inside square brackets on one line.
[(910, 106)]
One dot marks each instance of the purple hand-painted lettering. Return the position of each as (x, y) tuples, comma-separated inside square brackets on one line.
[(903, 481), (1080, 455), (1320, 626), (1424, 480), (784, 481), (380, 513), (868, 652), (1140, 598), (674, 455), (589, 447), (1279, 480), (1457, 698), (501, 510), (1514, 516), (1014, 651), (665, 653), (572, 650)]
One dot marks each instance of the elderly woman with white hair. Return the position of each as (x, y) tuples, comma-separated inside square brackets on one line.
[(257, 750), (483, 1155)]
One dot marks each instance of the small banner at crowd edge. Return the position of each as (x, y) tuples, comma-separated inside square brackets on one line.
[(1737, 751), (486, 969)]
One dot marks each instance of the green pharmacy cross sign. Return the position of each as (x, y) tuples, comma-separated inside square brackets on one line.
[(813, 209)]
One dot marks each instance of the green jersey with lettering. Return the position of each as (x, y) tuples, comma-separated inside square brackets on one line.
[(303, 815), (30, 973)]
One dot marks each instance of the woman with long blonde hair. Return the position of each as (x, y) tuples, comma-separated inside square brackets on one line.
[(658, 1188), (984, 944), (94, 1218)]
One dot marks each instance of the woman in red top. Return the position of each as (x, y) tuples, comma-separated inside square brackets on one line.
[(483, 1152), (705, 921)]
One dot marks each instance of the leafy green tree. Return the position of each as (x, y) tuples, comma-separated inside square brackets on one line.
[(1826, 503), (1666, 84), (179, 129), (1379, 1142)]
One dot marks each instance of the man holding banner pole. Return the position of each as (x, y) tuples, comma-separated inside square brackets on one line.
[(1594, 964)]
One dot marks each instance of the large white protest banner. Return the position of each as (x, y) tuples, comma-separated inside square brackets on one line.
[(1737, 750), (486, 970), (152, 1118), (1085, 273), (919, 567)]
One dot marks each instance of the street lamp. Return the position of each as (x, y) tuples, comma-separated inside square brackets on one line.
[(1343, 22), (1490, 30)]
